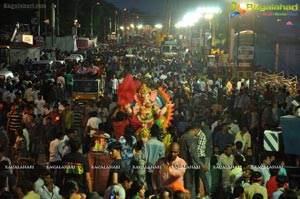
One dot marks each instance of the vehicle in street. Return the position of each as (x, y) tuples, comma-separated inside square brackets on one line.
[(87, 89), (169, 49), (15, 53), (5, 75), (85, 43), (42, 65), (74, 58)]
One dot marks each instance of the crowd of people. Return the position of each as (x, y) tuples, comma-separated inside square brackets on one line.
[(212, 149)]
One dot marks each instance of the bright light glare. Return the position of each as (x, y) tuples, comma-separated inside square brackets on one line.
[(132, 25), (208, 16), (122, 27), (243, 6), (208, 10), (140, 26), (158, 26), (191, 18)]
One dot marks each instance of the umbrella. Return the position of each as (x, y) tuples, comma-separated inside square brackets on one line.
[(163, 77)]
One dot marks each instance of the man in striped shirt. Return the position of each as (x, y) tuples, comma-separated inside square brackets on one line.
[(14, 122), (199, 173)]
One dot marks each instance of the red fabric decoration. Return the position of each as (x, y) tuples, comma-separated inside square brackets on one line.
[(126, 90)]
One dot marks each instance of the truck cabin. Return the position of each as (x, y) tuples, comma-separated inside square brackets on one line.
[(169, 49), (85, 90)]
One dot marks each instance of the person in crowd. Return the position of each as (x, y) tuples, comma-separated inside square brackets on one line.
[(4, 192), (9, 178), (271, 184), (166, 193), (56, 155), (237, 192), (103, 113), (258, 196), (70, 190), (249, 157), (49, 190), (223, 138), (91, 127), (245, 179), (69, 83), (154, 150), (13, 123), (237, 149), (269, 94), (169, 169), (28, 93), (119, 121), (4, 158), (128, 141), (55, 117), (34, 129), (188, 152), (66, 149), (139, 161), (244, 137), (114, 84), (137, 190), (118, 167), (264, 168), (39, 104), (256, 186), (208, 149), (27, 190), (119, 189), (282, 185), (288, 194), (20, 146), (81, 169), (200, 175), (226, 160), (49, 134), (78, 116), (67, 117), (26, 136), (294, 186)]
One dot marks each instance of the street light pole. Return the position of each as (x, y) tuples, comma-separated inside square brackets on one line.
[(57, 16), (92, 19), (169, 16)]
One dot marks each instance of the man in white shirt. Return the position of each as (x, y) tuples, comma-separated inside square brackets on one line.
[(92, 127), (55, 149), (49, 190), (114, 84), (92, 124), (39, 103)]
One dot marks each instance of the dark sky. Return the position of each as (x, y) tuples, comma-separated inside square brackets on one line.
[(152, 6)]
